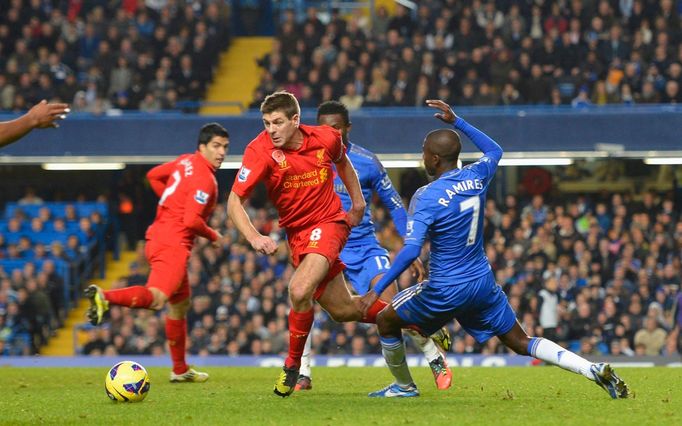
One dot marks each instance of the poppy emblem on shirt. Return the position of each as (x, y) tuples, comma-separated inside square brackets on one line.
[(279, 157), (243, 174), (201, 197)]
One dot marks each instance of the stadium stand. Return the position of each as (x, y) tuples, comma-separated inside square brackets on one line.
[(599, 274), (482, 53), (99, 56), (47, 249)]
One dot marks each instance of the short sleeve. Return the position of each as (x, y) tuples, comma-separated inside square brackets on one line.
[(334, 143), (250, 173)]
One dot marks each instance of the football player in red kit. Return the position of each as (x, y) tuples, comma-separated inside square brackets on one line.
[(188, 194), (295, 163)]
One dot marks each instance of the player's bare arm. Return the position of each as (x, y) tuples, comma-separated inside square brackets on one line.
[(236, 212), (41, 116), (418, 270), (446, 114), (350, 179)]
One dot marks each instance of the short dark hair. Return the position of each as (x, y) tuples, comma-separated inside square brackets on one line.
[(209, 131), (333, 107), (281, 101)]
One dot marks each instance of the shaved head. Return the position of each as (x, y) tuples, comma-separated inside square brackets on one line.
[(441, 150), (445, 143)]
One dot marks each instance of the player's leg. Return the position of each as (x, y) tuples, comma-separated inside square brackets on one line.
[(389, 325), (307, 276), (176, 335), (602, 374), (489, 314), (168, 266), (435, 354), (305, 374)]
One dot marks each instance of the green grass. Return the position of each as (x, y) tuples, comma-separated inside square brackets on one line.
[(518, 396)]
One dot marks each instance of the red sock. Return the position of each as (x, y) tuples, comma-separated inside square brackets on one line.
[(133, 297), (373, 311), (176, 334), (299, 328)]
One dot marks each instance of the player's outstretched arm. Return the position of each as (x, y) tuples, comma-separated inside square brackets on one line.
[(483, 142), (238, 215), (350, 179), (40, 116), (403, 260)]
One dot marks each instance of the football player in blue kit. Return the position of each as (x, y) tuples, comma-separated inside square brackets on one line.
[(461, 285), (366, 261)]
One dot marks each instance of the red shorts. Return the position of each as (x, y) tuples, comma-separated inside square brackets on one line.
[(326, 239), (168, 270)]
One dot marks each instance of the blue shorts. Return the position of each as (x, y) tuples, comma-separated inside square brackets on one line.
[(363, 263), (480, 306)]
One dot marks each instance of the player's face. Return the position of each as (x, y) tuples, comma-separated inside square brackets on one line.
[(215, 150), (280, 128), (336, 121)]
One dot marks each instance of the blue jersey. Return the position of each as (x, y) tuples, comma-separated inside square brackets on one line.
[(449, 211), (373, 178)]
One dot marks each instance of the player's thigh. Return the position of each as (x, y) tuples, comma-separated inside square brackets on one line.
[(168, 267), (487, 312), (423, 306), (338, 302)]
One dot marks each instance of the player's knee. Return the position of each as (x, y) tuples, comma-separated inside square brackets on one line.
[(383, 322), (179, 310), (299, 294), (159, 300)]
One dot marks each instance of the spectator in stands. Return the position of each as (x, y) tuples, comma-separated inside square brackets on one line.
[(651, 338)]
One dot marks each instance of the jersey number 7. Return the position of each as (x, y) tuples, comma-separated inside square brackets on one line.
[(171, 189), (475, 204)]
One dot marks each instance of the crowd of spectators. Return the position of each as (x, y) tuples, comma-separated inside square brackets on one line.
[(482, 52), (101, 55), (43, 246), (599, 274)]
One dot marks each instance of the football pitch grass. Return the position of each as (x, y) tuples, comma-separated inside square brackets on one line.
[(485, 396)]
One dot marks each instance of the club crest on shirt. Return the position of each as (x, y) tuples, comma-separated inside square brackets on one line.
[(243, 174), (201, 197), (279, 157), (320, 156)]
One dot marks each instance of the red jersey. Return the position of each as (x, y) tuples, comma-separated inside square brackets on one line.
[(188, 192), (300, 183)]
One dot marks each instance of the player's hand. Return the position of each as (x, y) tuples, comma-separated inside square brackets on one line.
[(217, 243), (46, 115), (265, 245), (367, 300), (418, 270), (355, 215), (446, 114)]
